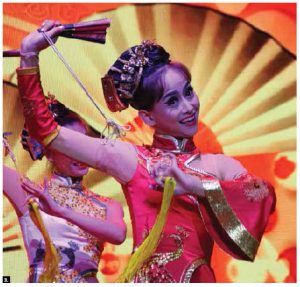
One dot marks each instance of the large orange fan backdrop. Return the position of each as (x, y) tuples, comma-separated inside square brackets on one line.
[(246, 82)]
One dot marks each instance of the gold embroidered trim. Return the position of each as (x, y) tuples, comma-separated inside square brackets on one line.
[(187, 275), (28, 71), (228, 219), (48, 139), (154, 269)]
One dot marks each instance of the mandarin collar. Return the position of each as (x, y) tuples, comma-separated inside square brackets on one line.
[(172, 144)]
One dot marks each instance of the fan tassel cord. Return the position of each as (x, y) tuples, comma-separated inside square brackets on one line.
[(113, 129)]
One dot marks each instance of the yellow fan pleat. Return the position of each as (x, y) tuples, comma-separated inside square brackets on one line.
[(278, 118), (202, 59), (262, 96), (279, 141), (146, 22), (238, 89), (162, 19), (220, 79)]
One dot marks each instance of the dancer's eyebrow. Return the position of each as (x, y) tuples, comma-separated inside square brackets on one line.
[(169, 94)]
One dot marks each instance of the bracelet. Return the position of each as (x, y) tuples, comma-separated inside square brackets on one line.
[(29, 54)]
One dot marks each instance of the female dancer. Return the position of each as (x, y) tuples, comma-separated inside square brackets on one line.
[(77, 220), (216, 200)]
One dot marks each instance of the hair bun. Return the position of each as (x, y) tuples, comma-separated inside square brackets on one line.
[(124, 76), (157, 55)]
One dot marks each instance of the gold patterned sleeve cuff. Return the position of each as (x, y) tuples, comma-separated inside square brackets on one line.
[(28, 71), (47, 140), (228, 219)]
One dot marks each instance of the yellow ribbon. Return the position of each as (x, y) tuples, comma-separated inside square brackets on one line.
[(146, 249)]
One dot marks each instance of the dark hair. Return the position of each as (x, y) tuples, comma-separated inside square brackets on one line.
[(63, 116), (138, 74), (151, 87)]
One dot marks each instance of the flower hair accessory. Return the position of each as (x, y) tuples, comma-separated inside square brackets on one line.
[(129, 67)]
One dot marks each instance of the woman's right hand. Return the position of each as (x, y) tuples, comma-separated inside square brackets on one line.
[(185, 183), (35, 41)]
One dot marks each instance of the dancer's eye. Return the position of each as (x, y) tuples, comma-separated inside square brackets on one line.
[(189, 91), (172, 101)]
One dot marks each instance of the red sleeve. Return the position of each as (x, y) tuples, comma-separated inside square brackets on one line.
[(38, 118), (236, 213)]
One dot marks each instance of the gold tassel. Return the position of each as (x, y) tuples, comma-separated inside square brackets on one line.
[(51, 259), (146, 249)]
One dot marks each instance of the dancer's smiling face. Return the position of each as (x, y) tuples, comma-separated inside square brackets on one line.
[(176, 111)]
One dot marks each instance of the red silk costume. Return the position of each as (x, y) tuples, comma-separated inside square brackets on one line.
[(234, 212)]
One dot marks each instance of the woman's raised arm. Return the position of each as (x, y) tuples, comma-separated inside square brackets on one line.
[(116, 158)]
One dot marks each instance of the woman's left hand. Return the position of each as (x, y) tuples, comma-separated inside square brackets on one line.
[(35, 41), (185, 183), (46, 202)]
